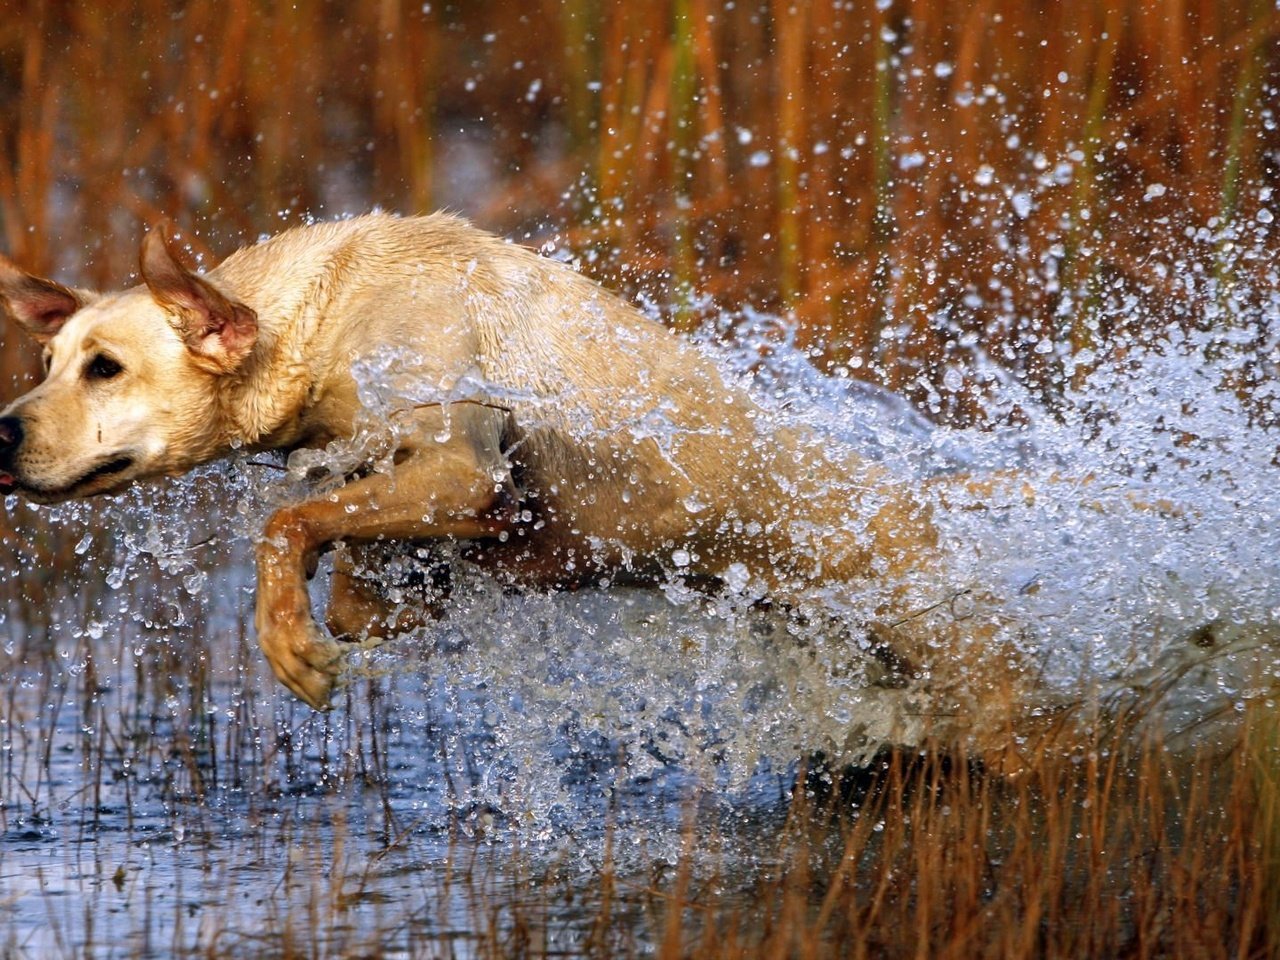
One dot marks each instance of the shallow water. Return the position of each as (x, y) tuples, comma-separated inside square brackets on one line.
[(159, 794)]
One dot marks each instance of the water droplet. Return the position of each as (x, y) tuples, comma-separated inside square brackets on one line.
[(737, 577)]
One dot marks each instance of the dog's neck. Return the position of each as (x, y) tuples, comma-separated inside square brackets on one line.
[(290, 290)]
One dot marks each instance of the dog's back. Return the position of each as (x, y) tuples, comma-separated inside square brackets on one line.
[(627, 442)]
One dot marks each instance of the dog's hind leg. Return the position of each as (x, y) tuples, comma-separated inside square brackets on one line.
[(441, 490), (360, 608)]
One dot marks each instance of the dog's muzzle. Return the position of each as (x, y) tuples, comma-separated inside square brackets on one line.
[(10, 440)]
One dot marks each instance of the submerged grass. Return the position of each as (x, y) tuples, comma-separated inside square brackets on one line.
[(1125, 850)]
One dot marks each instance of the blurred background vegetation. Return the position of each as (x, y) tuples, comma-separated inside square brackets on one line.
[(921, 187), (910, 180)]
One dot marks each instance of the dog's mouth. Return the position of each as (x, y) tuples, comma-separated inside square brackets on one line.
[(108, 469), (87, 484)]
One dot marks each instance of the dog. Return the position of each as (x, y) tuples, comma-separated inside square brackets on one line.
[(571, 440)]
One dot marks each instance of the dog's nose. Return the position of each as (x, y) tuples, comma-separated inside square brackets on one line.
[(10, 433)]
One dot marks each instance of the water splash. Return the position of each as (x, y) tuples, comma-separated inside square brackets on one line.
[(1142, 576), (1144, 570)]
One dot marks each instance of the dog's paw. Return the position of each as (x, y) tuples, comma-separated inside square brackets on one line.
[(302, 656)]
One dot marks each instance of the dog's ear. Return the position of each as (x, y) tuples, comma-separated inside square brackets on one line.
[(39, 306), (220, 333)]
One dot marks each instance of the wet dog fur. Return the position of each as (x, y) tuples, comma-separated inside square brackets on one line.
[(608, 450)]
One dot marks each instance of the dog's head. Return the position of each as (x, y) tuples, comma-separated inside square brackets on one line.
[(131, 379)]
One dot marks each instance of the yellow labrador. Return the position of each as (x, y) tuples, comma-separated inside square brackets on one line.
[(577, 441)]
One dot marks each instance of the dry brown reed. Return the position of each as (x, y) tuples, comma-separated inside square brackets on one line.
[(852, 163), (1124, 851)]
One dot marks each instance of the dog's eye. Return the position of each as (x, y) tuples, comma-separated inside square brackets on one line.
[(102, 367)]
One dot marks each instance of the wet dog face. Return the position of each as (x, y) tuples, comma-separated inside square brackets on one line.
[(131, 382)]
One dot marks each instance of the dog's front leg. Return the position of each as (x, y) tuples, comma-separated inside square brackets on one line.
[(438, 492)]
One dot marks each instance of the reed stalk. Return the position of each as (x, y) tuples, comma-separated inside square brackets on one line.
[(881, 129), (1259, 25), (1081, 268), (579, 23), (790, 21), (682, 114), (1261, 751)]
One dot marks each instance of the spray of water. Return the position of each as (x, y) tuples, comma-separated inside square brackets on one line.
[(1139, 572)]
